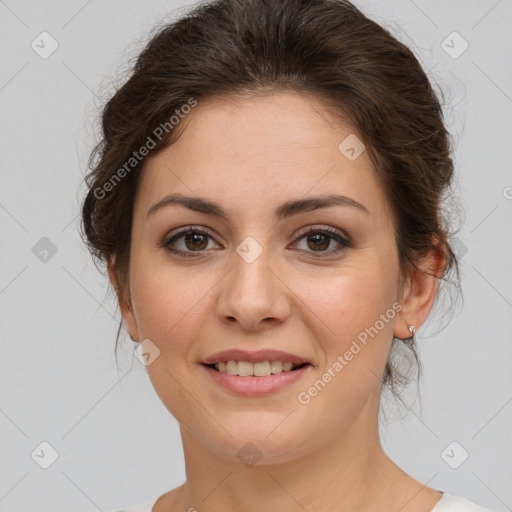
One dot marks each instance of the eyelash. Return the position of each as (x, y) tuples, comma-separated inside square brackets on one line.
[(332, 233)]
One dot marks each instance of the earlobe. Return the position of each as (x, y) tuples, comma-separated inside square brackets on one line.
[(420, 292)]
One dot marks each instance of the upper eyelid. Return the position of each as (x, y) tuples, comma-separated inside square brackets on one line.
[(330, 230)]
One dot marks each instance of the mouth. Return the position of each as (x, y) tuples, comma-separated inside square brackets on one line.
[(258, 369), (255, 373)]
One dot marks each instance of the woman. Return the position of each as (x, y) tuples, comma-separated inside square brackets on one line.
[(267, 197)]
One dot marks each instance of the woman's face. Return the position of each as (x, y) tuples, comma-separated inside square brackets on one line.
[(259, 281)]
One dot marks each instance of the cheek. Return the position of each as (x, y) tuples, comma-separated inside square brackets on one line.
[(168, 303), (169, 308), (358, 311), (353, 300), (158, 312)]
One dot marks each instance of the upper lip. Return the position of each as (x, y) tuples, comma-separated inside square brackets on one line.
[(257, 356)]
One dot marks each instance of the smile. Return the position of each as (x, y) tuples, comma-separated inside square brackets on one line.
[(260, 369), (252, 384)]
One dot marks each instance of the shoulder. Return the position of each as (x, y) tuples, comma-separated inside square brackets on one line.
[(452, 503), (147, 506)]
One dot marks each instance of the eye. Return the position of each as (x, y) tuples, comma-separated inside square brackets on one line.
[(319, 239), (192, 240)]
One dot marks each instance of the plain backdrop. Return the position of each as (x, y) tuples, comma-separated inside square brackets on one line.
[(79, 434)]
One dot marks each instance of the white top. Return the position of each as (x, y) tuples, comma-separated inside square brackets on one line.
[(448, 503)]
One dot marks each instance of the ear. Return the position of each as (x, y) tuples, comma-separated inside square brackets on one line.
[(420, 291), (124, 304)]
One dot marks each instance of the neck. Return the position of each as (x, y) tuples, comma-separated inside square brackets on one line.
[(350, 473)]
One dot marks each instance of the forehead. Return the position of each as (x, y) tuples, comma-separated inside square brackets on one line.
[(255, 151)]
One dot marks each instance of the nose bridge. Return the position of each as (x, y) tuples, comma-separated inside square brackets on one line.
[(251, 278), (253, 292)]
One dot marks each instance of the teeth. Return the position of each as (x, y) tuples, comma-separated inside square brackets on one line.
[(245, 369), (276, 366), (287, 366), (232, 367), (261, 369)]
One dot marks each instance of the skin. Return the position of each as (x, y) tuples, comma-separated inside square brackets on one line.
[(250, 155)]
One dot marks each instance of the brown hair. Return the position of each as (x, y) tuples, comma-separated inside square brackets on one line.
[(325, 47)]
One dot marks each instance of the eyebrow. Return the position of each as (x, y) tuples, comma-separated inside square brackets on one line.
[(288, 209)]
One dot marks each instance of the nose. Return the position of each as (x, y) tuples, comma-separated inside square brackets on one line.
[(253, 294)]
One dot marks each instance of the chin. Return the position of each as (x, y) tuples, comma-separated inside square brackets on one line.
[(254, 441)]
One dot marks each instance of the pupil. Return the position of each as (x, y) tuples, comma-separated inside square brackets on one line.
[(195, 237), (325, 240)]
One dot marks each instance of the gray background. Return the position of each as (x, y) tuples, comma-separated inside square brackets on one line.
[(117, 444)]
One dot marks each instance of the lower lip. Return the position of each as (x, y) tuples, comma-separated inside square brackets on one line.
[(256, 385)]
